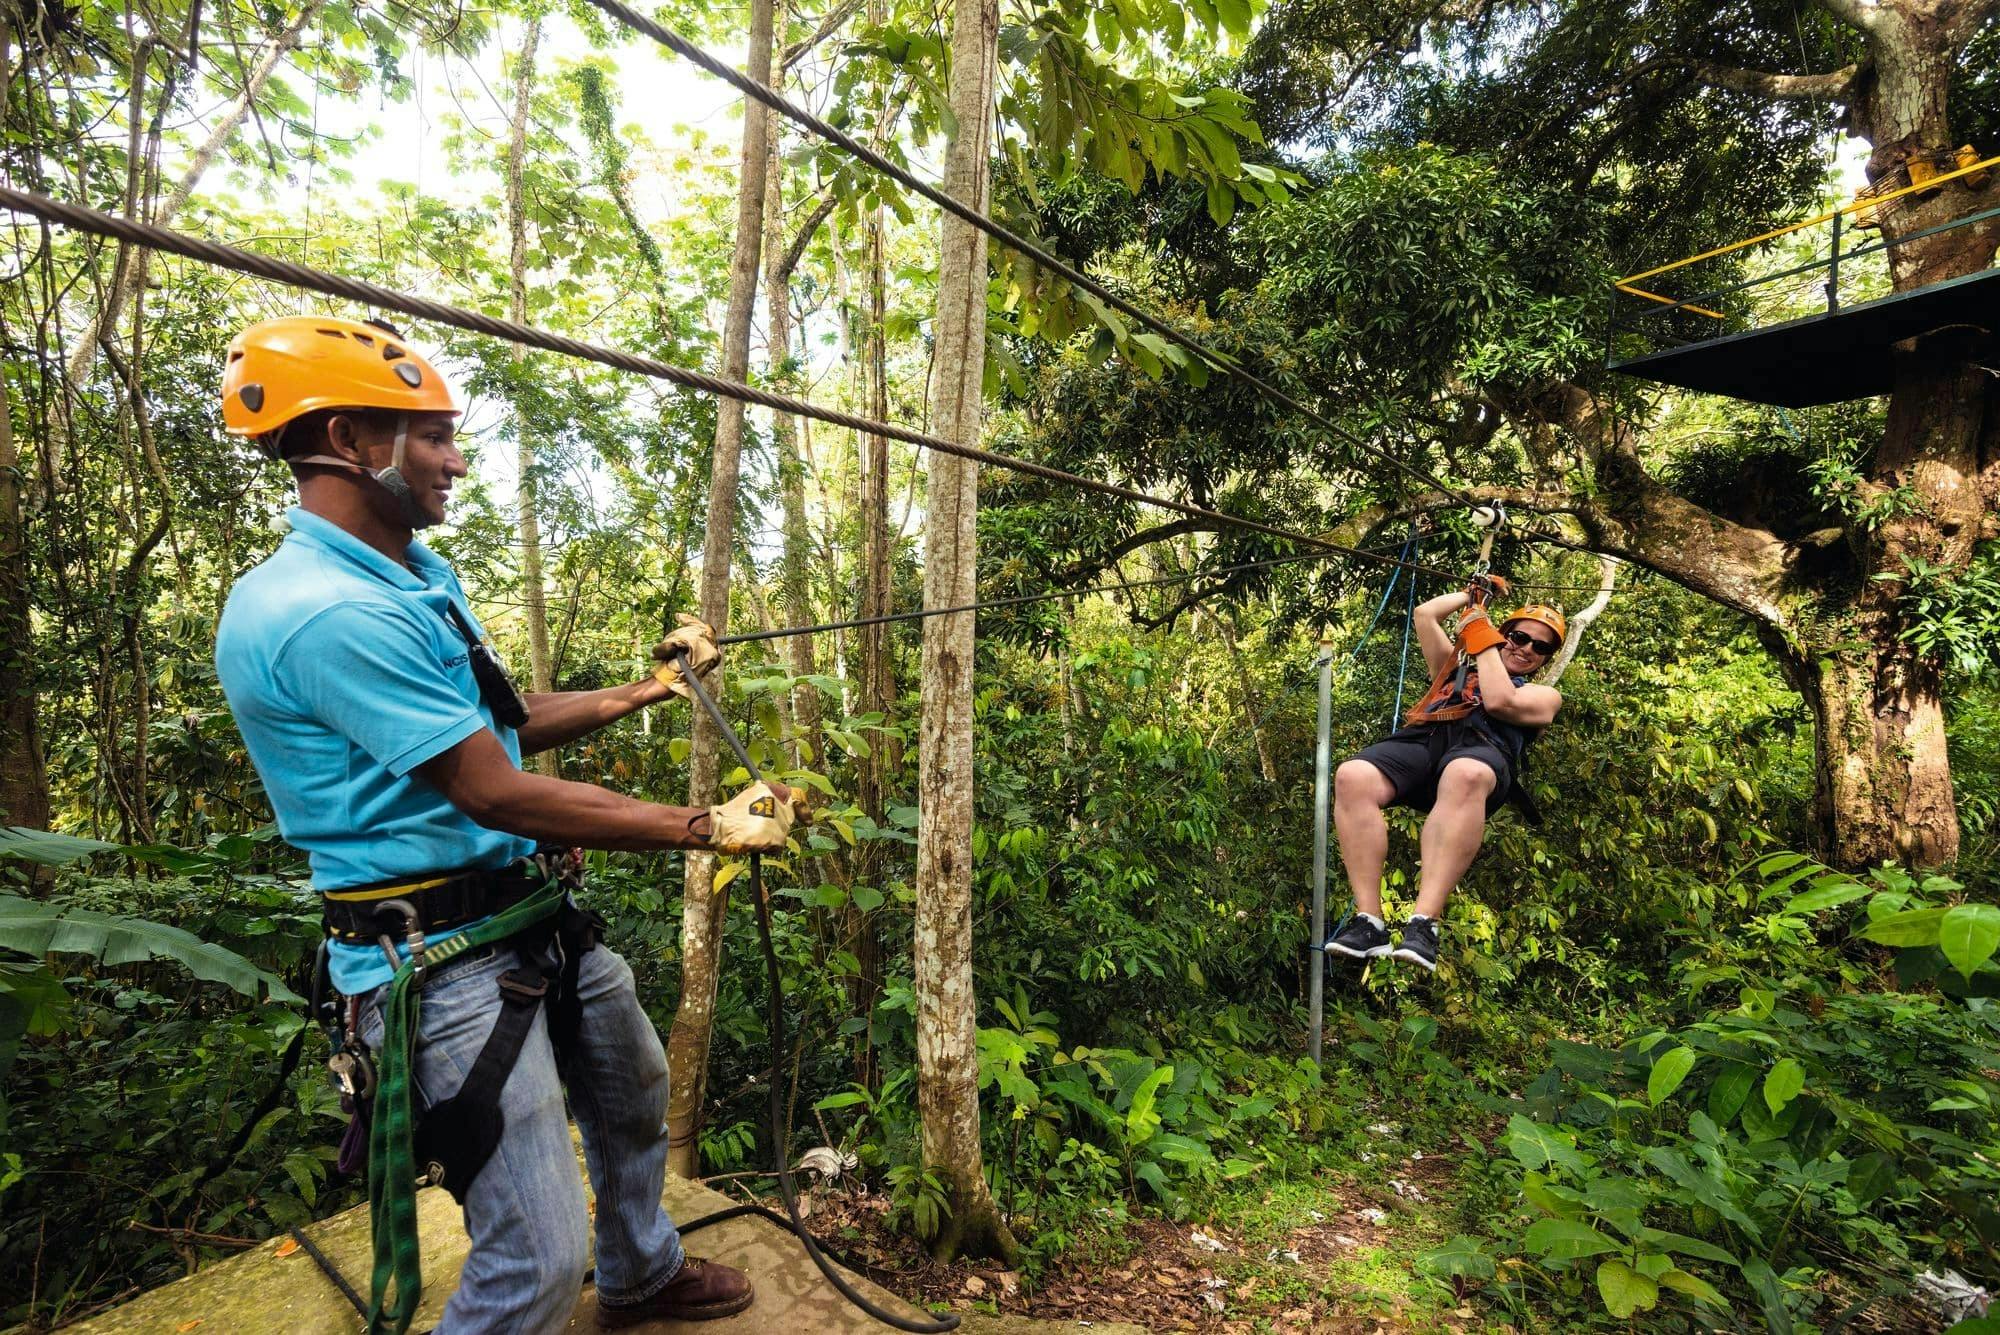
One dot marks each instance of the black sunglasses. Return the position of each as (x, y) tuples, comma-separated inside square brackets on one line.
[(1520, 639)]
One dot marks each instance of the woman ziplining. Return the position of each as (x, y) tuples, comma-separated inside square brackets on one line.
[(1458, 757)]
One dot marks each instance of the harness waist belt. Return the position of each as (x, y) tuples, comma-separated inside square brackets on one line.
[(355, 916)]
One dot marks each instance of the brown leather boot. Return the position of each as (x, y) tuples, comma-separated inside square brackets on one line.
[(702, 1291)]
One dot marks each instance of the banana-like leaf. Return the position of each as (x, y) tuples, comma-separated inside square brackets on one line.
[(59, 850), (50, 850), (35, 927)]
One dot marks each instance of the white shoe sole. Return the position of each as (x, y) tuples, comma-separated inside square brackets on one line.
[(1428, 966), (1374, 953)]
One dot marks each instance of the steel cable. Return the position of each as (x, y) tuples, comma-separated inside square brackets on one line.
[(215, 253), (1013, 240)]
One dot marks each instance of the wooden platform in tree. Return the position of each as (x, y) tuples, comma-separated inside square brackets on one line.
[(1831, 358)]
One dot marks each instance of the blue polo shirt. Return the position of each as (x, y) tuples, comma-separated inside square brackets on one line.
[(345, 675)]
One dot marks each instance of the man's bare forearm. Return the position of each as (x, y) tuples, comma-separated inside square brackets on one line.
[(561, 717), (561, 812)]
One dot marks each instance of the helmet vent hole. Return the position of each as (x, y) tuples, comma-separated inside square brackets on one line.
[(390, 352), (330, 333), (365, 340), (408, 373), (253, 397)]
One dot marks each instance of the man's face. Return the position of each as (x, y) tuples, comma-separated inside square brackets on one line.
[(1526, 659), (431, 461)]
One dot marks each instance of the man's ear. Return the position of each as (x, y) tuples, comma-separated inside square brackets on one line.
[(347, 437)]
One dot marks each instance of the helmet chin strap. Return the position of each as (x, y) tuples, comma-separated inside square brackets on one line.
[(390, 478)]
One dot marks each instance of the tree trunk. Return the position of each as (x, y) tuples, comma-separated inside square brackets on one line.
[(1267, 763), (947, 1059), (1607, 581), (24, 775), (527, 490), (703, 908), (795, 567)]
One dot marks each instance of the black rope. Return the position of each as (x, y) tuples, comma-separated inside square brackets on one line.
[(775, 1025), (221, 256), (331, 1271), (777, 102)]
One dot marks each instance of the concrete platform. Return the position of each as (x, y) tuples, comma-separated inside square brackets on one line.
[(262, 1293)]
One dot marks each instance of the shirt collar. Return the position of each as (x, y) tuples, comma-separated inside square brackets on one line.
[(323, 533)]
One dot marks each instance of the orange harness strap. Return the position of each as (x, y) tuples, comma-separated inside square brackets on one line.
[(1441, 689)]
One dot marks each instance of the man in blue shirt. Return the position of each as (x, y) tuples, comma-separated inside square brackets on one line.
[(389, 741)]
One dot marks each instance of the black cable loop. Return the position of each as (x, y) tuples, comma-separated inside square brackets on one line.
[(276, 270), (854, 148)]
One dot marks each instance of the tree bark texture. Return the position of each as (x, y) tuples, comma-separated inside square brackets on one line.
[(947, 1059), (527, 491), (24, 774), (703, 908), (795, 566)]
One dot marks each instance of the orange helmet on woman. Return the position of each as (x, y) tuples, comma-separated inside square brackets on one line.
[(1541, 614), (280, 370)]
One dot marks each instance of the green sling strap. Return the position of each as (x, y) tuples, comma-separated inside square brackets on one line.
[(392, 1168)]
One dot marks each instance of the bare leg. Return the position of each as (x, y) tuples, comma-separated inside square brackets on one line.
[(1453, 831), (1360, 791)]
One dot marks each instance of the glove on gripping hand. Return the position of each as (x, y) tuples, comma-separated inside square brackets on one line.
[(1476, 633), (695, 636), (756, 820)]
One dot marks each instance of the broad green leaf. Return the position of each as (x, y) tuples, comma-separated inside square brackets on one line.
[(1783, 1084), (1461, 1256), (48, 849), (1726, 1095), (1682, 1245), (1969, 935), (678, 748), (867, 898), (1910, 927), (1828, 896), (1667, 1074), (1625, 1290), (1565, 1240), (1871, 1177), (1693, 1286), (35, 927)]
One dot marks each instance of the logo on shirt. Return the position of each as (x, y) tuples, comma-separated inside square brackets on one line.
[(457, 660)]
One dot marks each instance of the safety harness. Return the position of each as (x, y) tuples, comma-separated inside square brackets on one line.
[(531, 913), (1454, 698)]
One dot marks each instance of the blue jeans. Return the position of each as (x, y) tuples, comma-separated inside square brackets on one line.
[(525, 1212)]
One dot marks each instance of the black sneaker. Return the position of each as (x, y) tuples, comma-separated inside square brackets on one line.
[(1359, 940), (1420, 943)]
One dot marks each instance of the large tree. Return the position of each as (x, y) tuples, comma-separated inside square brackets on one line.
[(1639, 136)]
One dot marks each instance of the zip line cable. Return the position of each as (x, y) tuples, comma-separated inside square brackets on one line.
[(95, 222), (1020, 600), (785, 107)]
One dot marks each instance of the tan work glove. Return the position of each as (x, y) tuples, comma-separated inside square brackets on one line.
[(756, 820), (697, 637)]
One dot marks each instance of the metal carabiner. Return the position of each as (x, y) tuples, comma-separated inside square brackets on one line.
[(413, 939)]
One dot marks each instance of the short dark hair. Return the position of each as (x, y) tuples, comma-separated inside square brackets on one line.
[(306, 433)]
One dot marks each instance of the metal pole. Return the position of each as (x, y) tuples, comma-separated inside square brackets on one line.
[(1322, 811), (1833, 271)]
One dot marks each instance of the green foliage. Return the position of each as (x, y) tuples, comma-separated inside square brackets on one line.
[(1811, 1119)]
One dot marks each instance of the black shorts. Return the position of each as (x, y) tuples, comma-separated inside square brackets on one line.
[(1413, 758)]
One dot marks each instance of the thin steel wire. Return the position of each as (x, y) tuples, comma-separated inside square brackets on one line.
[(1013, 240), (277, 270), (1022, 600)]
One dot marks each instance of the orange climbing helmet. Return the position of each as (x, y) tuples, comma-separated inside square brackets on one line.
[(280, 370), (1541, 614)]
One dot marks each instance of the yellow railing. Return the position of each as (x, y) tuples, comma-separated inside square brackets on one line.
[(1625, 284)]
